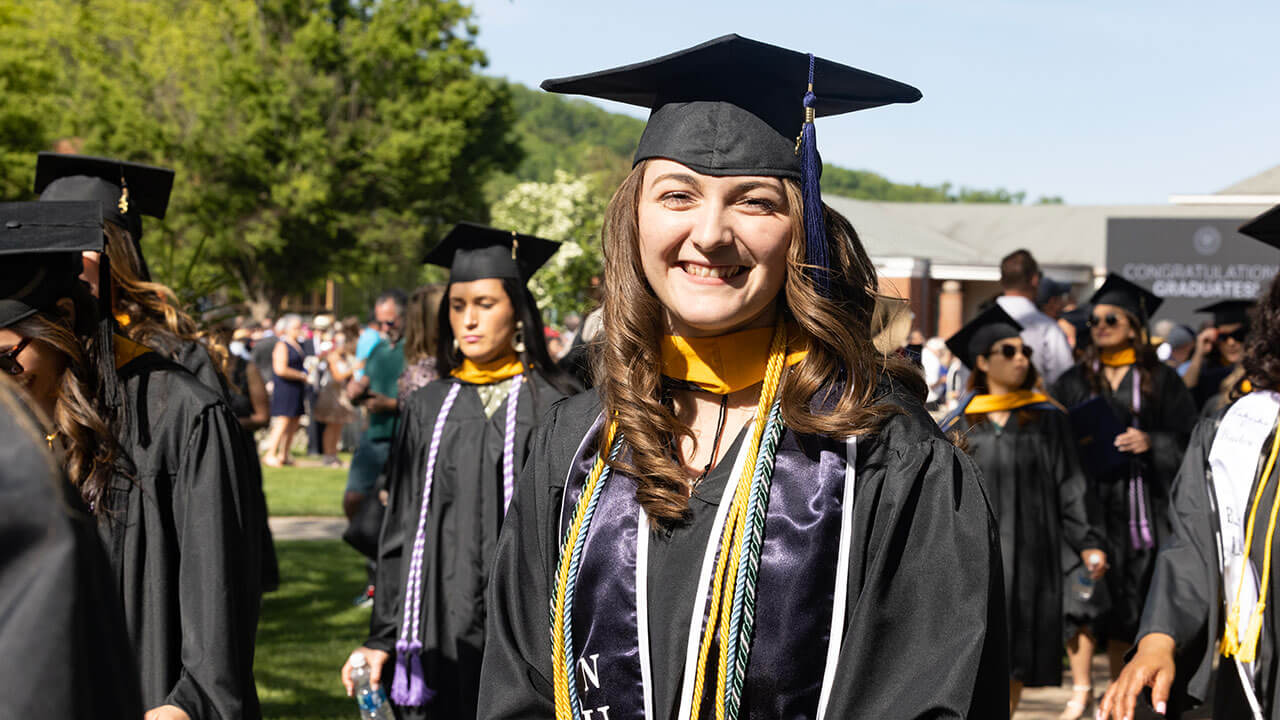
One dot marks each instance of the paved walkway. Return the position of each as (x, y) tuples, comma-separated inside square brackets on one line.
[(307, 528)]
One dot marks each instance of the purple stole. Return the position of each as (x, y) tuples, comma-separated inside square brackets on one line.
[(802, 588)]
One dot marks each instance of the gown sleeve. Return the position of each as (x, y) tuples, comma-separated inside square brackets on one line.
[(63, 648), (1182, 601), (1077, 529), (517, 629), (384, 622), (218, 574), (1177, 417), (924, 630)]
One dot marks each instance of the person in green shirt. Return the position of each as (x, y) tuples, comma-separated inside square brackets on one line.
[(376, 392)]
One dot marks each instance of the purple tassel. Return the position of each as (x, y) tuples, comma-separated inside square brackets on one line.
[(410, 688), (400, 686), (815, 229)]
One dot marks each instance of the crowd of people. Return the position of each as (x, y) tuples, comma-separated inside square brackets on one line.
[(721, 491)]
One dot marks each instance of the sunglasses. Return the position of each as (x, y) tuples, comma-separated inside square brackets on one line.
[(9, 360), (1239, 334), (388, 323), (1110, 320), (1010, 351)]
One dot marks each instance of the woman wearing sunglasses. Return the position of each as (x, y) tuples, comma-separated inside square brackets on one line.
[(1214, 372), (155, 455), (1023, 443), (1121, 385)]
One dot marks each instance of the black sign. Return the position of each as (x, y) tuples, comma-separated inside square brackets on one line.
[(1190, 262)]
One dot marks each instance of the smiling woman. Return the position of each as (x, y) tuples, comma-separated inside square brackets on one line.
[(752, 514)]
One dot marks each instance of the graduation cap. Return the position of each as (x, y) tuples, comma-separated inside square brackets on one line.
[(1265, 227), (735, 106), (475, 252), (40, 253), (1229, 312), (1129, 296), (41, 246), (126, 190), (976, 338)]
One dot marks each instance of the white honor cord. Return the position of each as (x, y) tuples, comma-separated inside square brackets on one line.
[(835, 636)]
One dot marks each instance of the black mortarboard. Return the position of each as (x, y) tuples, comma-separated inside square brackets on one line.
[(475, 252), (41, 247), (1229, 312), (991, 326), (734, 106), (1133, 298), (126, 190), (1265, 227), (40, 253)]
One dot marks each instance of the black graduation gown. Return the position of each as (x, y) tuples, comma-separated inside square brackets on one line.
[(463, 522), (1186, 596), (1033, 477), (924, 623), (195, 357), (63, 649), (181, 530), (1168, 416)]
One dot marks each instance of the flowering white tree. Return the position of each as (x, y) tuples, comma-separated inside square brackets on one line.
[(570, 210)]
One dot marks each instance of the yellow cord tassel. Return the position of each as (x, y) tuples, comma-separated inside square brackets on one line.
[(559, 670), (722, 594), (1231, 645)]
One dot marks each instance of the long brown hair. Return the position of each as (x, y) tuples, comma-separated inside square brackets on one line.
[(1262, 345), (156, 318), (80, 417), (421, 323), (839, 374), (1147, 360)]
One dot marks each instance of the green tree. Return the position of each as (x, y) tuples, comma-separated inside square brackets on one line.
[(309, 137), (570, 210)]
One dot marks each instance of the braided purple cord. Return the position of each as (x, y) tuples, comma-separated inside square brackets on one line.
[(409, 645), (509, 444), (1139, 523)]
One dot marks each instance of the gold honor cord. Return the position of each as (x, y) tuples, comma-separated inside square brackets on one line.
[(1247, 651), (722, 594), (729, 551)]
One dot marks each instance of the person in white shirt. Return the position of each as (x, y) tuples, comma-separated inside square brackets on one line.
[(1020, 280)]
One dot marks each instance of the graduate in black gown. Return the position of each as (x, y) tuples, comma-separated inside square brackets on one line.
[(1122, 385), (1215, 365), (146, 312), (64, 650), (747, 456), (1023, 444), (1213, 593), (460, 443), (156, 456)]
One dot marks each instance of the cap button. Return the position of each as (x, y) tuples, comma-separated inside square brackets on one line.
[(13, 224)]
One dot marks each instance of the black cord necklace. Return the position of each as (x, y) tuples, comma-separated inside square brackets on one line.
[(715, 448)]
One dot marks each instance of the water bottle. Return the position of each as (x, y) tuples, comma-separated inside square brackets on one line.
[(372, 703), (1083, 584)]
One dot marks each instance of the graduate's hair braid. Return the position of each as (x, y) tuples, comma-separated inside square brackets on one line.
[(80, 416), (838, 375)]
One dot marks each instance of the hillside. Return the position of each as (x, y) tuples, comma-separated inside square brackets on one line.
[(584, 139)]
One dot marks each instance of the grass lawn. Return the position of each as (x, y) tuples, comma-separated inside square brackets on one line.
[(308, 628), (294, 490)]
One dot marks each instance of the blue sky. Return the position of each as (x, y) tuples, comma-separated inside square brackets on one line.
[(1126, 101)]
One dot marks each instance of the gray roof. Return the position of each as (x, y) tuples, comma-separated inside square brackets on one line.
[(1266, 182), (982, 233)]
